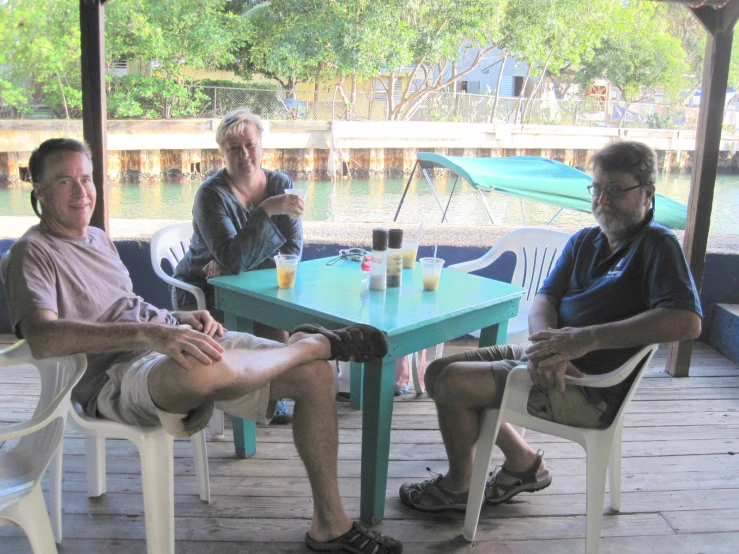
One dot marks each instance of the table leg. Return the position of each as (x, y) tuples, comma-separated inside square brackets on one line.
[(495, 334), (355, 385), (245, 430), (377, 413)]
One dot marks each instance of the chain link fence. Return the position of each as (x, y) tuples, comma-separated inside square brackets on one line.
[(181, 102)]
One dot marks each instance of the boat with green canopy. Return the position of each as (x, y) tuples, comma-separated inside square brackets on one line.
[(528, 178)]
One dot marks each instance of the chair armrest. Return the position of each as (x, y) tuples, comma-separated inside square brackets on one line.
[(485, 260), (614, 377), (197, 292), (597, 381)]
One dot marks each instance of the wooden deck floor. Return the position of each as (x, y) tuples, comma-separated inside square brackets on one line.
[(680, 482)]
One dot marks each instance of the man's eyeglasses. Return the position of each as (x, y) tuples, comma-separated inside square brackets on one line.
[(613, 192)]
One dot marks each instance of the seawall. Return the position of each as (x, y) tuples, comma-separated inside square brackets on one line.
[(186, 149)]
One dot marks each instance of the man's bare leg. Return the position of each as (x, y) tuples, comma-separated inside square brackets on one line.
[(460, 390), (316, 436), (298, 371)]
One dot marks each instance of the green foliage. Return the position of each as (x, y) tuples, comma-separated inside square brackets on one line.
[(40, 46), (734, 64), (174, 35), (635, 54), (639, 46), (658, 121), (144, 97), (236, 84)]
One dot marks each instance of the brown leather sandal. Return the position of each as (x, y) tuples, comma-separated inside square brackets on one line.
[(356, 343), (527, 481)]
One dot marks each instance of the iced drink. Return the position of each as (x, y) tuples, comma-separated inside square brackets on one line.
[(410, 250), (431, 272), (287, 267)]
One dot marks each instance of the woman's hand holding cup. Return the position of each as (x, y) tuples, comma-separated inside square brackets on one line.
[(290, 203)]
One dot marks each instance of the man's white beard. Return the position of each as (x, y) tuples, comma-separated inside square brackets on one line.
[(617, 224)]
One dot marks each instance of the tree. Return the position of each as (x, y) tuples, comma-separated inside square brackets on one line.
[(169, 38), (636, 56), (681, 24), (40, 46), (307, 40), (552, 35)]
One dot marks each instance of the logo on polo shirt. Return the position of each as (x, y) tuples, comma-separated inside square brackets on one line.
[(617, 270)]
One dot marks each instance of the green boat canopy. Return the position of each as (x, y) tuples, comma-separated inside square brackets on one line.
[(540, 180)]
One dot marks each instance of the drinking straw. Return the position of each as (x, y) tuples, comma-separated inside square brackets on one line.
[(418, 233), (435, 247)]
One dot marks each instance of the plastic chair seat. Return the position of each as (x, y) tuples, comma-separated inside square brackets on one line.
[(602, 446), (39, 442), (156, 451)]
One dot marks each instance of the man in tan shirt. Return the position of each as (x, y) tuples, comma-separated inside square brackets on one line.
[(69, 292)]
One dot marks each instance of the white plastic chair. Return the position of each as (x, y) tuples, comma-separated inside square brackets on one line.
[(537, 251), (172, 243), (155, 447), (23, 466), (602, 446)]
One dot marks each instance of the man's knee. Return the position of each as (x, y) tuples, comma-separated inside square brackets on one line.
[(446, 384), (314, 379), (433, 371)]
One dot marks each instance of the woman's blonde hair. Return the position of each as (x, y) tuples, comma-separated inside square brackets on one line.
[(236, 122)]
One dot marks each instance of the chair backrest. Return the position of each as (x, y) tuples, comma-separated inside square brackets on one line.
[(23, 465), (172, 243), (537, 251)]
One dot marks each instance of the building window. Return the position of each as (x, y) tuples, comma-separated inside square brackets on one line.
[(120, 68), (517, 86)]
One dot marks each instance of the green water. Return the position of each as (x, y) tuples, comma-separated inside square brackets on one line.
[(376, 201)]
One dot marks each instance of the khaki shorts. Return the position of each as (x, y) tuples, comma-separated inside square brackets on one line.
[(573, 407), (125, 397)]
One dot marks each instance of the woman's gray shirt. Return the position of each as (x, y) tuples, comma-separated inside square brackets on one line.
[(237, 238)]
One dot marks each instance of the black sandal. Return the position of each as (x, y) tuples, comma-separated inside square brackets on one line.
[(527, 481), (357, 343), (358, 540)]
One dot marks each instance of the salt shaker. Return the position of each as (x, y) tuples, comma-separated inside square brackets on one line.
[(378, 267)]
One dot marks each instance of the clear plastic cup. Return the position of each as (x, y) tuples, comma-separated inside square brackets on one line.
[(410, 251), (431, 272), (297, 192), (287, 268)]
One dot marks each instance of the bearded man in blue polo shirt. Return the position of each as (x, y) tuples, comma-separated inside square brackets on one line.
[(615, 288)]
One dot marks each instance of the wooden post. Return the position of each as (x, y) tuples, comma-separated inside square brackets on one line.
[(94, 104), (720, 24)]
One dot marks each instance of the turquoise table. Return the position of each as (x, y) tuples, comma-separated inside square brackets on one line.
[(334, 296)]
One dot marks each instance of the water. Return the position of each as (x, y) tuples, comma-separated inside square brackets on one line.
[(376, 200)]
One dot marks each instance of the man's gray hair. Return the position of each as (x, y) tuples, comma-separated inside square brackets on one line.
[(235, 122), (628, 156)]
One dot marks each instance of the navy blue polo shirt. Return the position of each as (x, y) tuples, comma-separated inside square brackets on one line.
[(594, 286)]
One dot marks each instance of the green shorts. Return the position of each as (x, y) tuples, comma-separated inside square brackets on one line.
[(573, 407)]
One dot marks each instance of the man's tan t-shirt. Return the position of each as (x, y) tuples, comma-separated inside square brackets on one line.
[(78, 278)]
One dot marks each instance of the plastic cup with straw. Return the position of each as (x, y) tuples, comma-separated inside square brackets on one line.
[(431, 271)]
